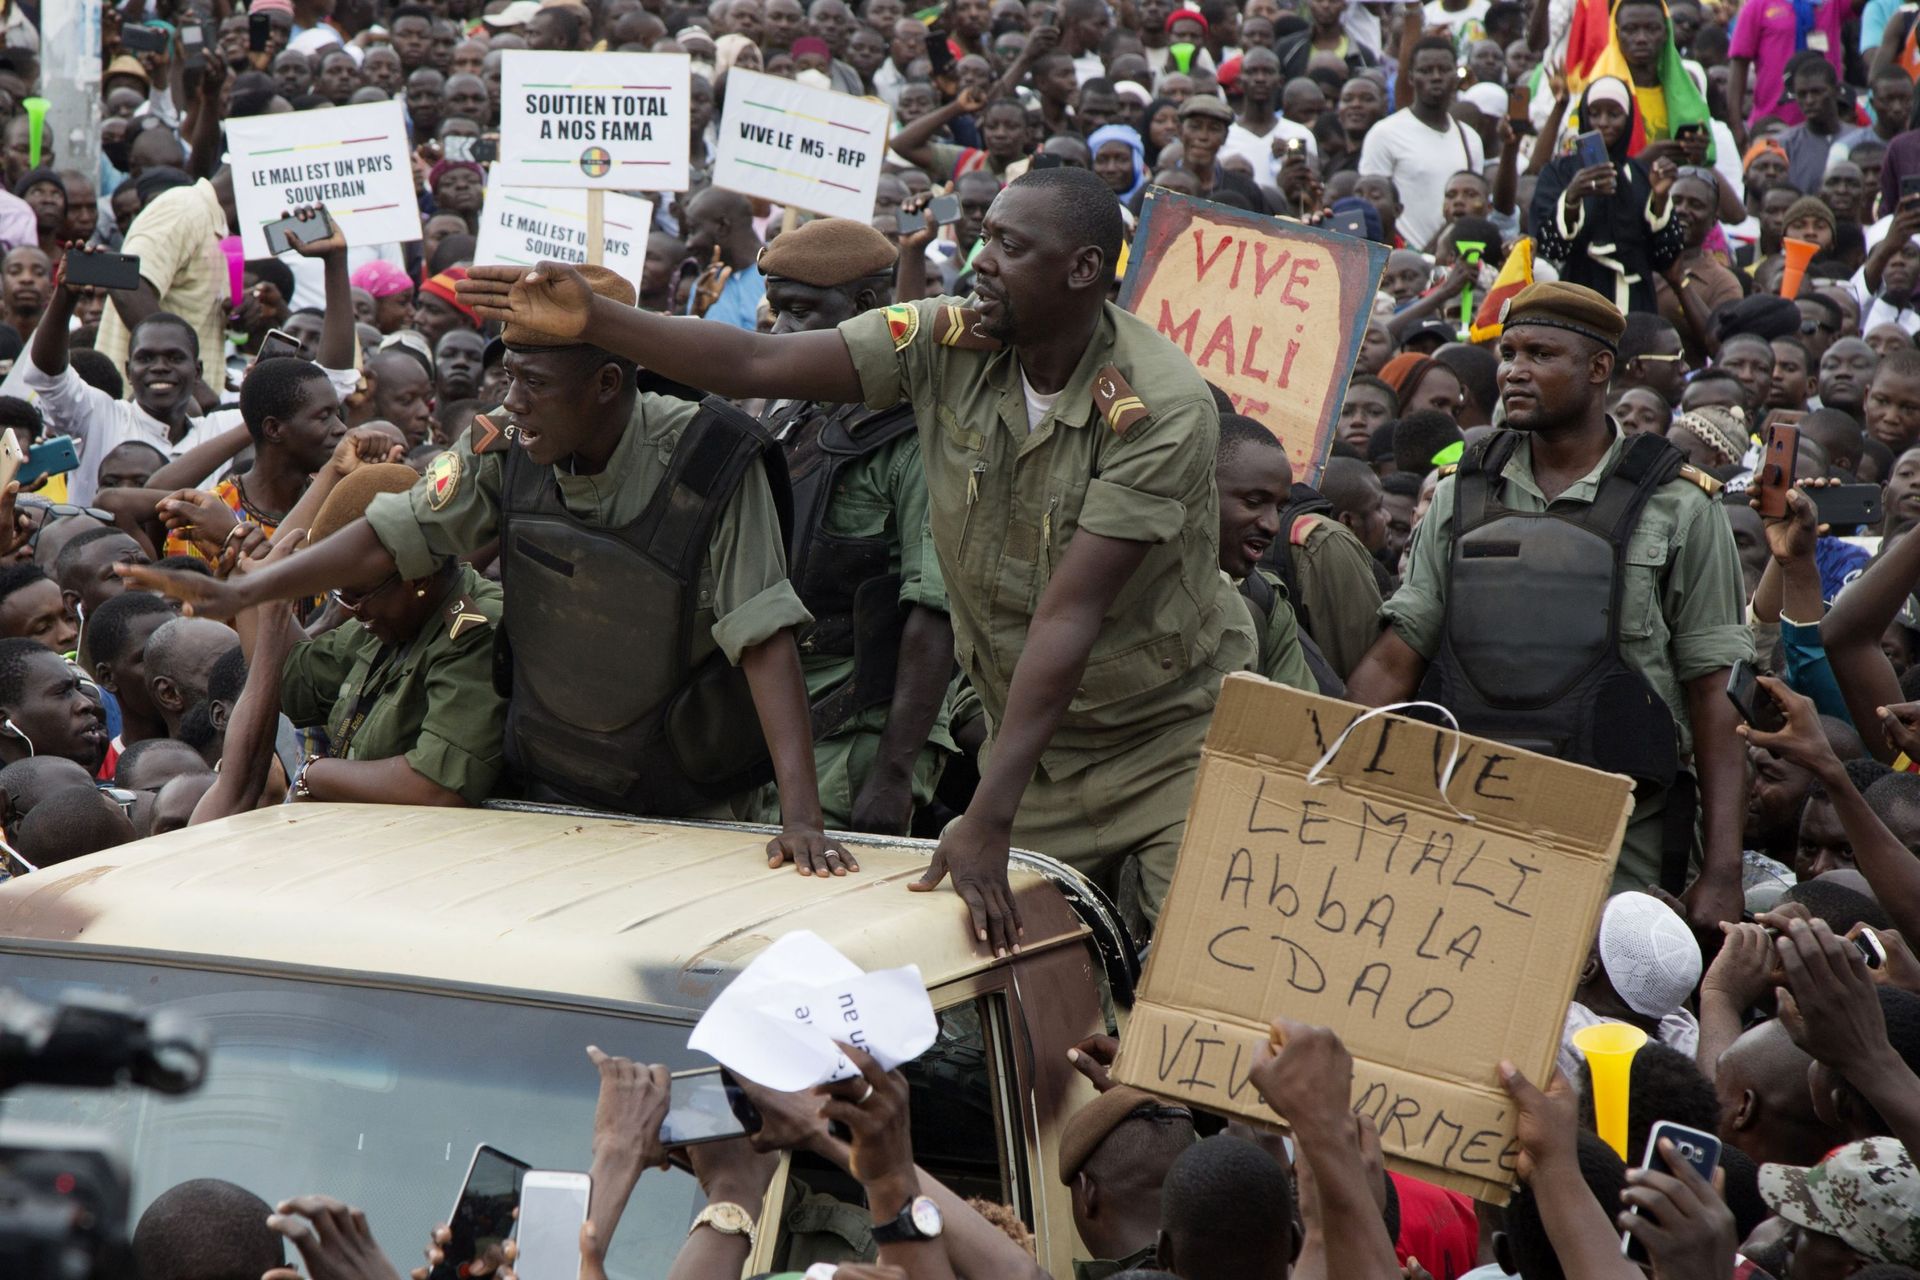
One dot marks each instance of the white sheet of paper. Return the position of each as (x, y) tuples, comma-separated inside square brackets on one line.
[(524, 225), (617, 121), (354, 160), (777, 1023)]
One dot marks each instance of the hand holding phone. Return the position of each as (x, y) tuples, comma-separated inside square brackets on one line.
[(99, 269), (1775, 476), (482, 1216), (1755, 705), (1671, 1201), (707, 1105), (945, 209)]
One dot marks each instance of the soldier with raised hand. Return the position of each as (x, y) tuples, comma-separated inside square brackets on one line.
[(1075, 519)]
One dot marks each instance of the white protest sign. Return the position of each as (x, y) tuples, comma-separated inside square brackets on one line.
[(615, 121), (524, 225), (801, 147), (777, 1023), (354, 160)]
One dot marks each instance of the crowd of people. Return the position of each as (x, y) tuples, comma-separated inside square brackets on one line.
[(914, 530)]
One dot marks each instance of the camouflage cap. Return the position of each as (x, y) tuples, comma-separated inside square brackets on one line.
[(1866, 1194)]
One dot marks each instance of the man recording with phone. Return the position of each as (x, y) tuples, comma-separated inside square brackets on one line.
[(1640, 687)]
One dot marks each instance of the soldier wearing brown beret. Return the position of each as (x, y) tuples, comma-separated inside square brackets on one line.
[(1632, 603), (879, 655)]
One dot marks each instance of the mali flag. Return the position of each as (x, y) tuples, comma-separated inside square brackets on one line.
[(1593, 51), (1515, 274)]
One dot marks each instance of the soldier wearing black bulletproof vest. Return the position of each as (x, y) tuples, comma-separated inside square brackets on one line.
[(1576, 592), (878, 657)]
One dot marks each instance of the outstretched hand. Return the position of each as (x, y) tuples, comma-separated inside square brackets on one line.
[(553, 297)]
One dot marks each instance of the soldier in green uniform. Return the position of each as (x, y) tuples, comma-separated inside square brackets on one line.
[(1577, 592), (405, 689), (1329, 577), (648, 621), (1076, 520), (879, 654), (1252, 474)]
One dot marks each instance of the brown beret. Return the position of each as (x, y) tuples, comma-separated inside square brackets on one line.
[(1573, 307), (828, 252), (1091, 1124), (360, 486), (1207, 104), (607, 284)]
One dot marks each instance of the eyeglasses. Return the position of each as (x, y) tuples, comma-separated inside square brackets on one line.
[(122, 797), (353, 601), (1700, 173), (56, 511)]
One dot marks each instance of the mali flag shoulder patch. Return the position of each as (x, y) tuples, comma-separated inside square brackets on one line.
[(903, 321), (443, 479)]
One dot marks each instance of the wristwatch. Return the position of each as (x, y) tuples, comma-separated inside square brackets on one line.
[(728, 1219), (918, 1219)]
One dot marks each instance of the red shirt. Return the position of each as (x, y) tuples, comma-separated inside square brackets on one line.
[(1437, 1226)]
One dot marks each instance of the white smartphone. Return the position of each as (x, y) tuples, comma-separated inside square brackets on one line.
[(11, 457), (553, 1205)]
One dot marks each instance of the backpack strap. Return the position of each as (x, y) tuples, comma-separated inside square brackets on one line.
[(1479, 470)]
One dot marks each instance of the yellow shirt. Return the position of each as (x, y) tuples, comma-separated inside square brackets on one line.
[(177, 239), (1653, 111)]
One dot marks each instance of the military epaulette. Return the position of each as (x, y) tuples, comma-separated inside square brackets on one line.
[(1708, 485), (1302, 528), (1116, 401), (959, 328), (463, 615), (486, 436), (1449, 469)]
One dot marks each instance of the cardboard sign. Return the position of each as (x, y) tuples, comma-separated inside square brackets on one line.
[(801, 147), (616, 121), (1271, 312), (525, 225), (354, 160), (1435, 942)]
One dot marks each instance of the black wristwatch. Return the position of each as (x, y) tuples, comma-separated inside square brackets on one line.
[(918, 1219)]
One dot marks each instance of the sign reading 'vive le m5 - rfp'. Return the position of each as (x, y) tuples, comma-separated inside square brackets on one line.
[(801, 147), (1436, 917), (616, 121)]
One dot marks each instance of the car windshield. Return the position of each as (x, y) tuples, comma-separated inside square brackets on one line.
[(376, 1097)]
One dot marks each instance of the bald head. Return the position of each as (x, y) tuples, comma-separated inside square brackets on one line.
[(180, 656), (71, 823), (1766, 1107)]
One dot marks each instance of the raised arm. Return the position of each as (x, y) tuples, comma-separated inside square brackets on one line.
[(247, 758), (336, 327), (352, 557), (719, 358), (914, 142), (191, 468)]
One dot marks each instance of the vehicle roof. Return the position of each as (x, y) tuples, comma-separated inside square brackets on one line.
[(587, 907)]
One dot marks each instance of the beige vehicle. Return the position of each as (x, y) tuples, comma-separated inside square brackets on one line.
[(387, 987)]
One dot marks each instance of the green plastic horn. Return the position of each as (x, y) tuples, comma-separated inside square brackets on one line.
[(36, 120)]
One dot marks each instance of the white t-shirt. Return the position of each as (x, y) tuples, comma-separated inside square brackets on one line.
[(1419, 160), (1258, 147), (1038, 406), (1473, 18)]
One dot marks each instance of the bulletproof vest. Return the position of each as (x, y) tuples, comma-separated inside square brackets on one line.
[(1530, 652), (844, 582), (1302, 501), (1260, 594), (617, 699)]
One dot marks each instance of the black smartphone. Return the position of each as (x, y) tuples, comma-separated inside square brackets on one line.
[(193, 43), (259, 29), (1045, 161), (104, 270), (1350, 222), (486, 149), (707, 1105), (482, 1217), (278, 342), (144, 39), (1755, 705), (1592, 148), (310, 228), (939, 56), (1910, 186), (1686, 131), (1701, 1150), (1845, 505), (945, 209), (908, 223)]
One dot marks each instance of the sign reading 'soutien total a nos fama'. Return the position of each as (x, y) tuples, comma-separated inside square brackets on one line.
[(611, 121)]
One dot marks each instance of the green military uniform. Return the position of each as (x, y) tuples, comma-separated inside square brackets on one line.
[(1281, 659), (431, 699), (1005, 497), (744, 598), (816, 1227), (1338, 590), (1682, 607), (883, 495)]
